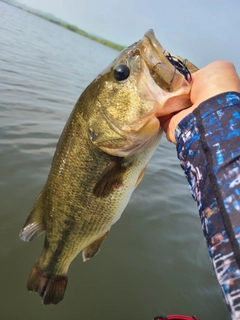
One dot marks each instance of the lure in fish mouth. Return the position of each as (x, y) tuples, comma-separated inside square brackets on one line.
[(101, 157), (142, 72)]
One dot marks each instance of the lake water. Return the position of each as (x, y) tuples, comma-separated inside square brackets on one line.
[(154, 261)]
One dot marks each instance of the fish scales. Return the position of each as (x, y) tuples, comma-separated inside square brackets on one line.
[(76, 194), (100, 159)]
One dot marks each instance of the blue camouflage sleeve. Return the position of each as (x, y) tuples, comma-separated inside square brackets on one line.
[(208, 147)]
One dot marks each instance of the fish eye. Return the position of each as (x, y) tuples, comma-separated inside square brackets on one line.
[(121, 72)]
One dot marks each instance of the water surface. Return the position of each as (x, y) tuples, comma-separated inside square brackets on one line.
[(154, 260)]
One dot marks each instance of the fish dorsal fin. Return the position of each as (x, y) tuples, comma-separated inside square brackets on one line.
[(34, 225), (93, 248), (112, 178)]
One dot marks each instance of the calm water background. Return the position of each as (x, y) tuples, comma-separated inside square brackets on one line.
[(154, 260)]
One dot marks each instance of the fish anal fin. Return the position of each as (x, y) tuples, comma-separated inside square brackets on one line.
[(93, 248), (111, 179), (139, 179), (34, 225), (50, 288)]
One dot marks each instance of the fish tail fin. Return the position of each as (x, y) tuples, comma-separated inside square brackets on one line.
[(34, 225), (50, 288)]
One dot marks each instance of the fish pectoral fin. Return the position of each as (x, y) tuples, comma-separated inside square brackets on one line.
[(139, 179), (112, 178), (34, 225), (93, 248)]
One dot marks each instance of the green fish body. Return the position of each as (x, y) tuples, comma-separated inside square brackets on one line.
[(100, 158)]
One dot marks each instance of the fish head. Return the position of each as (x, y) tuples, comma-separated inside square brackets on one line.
[(130, 95)]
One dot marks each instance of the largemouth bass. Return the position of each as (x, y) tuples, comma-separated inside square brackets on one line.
[(100, 158)]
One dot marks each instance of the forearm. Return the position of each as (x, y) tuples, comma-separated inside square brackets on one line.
[(208, 146)]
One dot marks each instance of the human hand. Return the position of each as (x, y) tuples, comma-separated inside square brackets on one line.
[(215, 78)]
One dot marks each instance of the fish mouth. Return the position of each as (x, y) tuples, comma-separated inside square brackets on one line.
[(172, 64), (163, 66)]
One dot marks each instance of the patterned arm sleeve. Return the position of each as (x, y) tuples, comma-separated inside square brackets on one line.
[(208, 147)]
